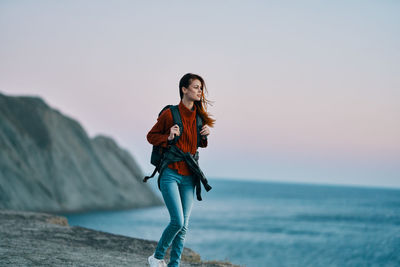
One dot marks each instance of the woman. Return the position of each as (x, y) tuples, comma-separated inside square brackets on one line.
[(177, 181)]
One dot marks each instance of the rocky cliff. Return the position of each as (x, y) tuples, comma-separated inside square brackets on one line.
[(49, 163)]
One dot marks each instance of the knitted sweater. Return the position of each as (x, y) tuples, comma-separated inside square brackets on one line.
[(187, 142)]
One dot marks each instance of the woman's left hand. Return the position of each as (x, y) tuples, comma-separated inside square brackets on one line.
[(205, 131)]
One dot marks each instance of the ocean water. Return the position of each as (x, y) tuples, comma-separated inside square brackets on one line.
[(276, 224)]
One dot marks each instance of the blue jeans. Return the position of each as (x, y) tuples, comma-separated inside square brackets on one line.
[(178, 193)]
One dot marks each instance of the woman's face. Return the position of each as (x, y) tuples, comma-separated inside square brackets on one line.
[(194, 92)]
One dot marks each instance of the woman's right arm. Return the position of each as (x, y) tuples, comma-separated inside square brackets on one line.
[(158, 135)]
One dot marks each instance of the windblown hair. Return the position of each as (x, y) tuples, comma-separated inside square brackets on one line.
[(202, 104)]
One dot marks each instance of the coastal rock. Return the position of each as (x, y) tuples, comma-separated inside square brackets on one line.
[(48, 163), (40, 239)]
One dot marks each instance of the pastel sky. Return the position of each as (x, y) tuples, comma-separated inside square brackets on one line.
[(303, 91)]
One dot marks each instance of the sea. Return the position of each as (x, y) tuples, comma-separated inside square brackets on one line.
[(272, 224)]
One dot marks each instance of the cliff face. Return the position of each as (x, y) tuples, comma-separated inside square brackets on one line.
[(49, 163)]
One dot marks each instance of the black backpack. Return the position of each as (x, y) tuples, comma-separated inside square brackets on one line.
[(158, 151)]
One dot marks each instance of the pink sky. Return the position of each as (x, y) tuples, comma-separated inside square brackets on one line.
[(304, 93)]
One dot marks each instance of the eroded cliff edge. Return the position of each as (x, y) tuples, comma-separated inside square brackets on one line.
[(40, 239)]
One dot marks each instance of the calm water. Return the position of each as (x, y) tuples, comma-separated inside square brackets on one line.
[(276, 224)]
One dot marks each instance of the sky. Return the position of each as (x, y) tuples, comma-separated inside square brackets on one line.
[(302, 91)]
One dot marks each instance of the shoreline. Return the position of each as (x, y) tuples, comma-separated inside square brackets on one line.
[(44, 239)]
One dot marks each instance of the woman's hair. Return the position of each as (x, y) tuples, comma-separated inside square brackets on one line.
[(201, 105)]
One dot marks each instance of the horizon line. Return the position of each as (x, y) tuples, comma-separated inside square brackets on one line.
[(362, 186)]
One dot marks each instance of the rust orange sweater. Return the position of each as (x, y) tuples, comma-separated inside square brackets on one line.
[(158, 135)]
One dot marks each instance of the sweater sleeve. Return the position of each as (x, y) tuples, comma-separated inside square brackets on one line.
[(158, 135)]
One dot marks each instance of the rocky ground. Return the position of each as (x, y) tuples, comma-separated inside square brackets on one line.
[(40, 239)]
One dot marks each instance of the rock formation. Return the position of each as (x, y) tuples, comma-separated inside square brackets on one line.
[(49, 163)]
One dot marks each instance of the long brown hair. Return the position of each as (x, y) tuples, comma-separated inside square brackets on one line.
[(201, 105)]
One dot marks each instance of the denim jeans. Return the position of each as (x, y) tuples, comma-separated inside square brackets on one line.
[(178, 194)]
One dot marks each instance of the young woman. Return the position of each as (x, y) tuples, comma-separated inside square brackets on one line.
[(177, 181)]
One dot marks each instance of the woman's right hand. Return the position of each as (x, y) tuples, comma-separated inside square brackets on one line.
[(174, 131)]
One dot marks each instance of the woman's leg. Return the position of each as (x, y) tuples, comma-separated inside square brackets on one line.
[(186, 191), (169, 188)]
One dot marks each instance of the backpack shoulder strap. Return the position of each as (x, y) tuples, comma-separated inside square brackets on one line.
[(176, 116), (199, 124)]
